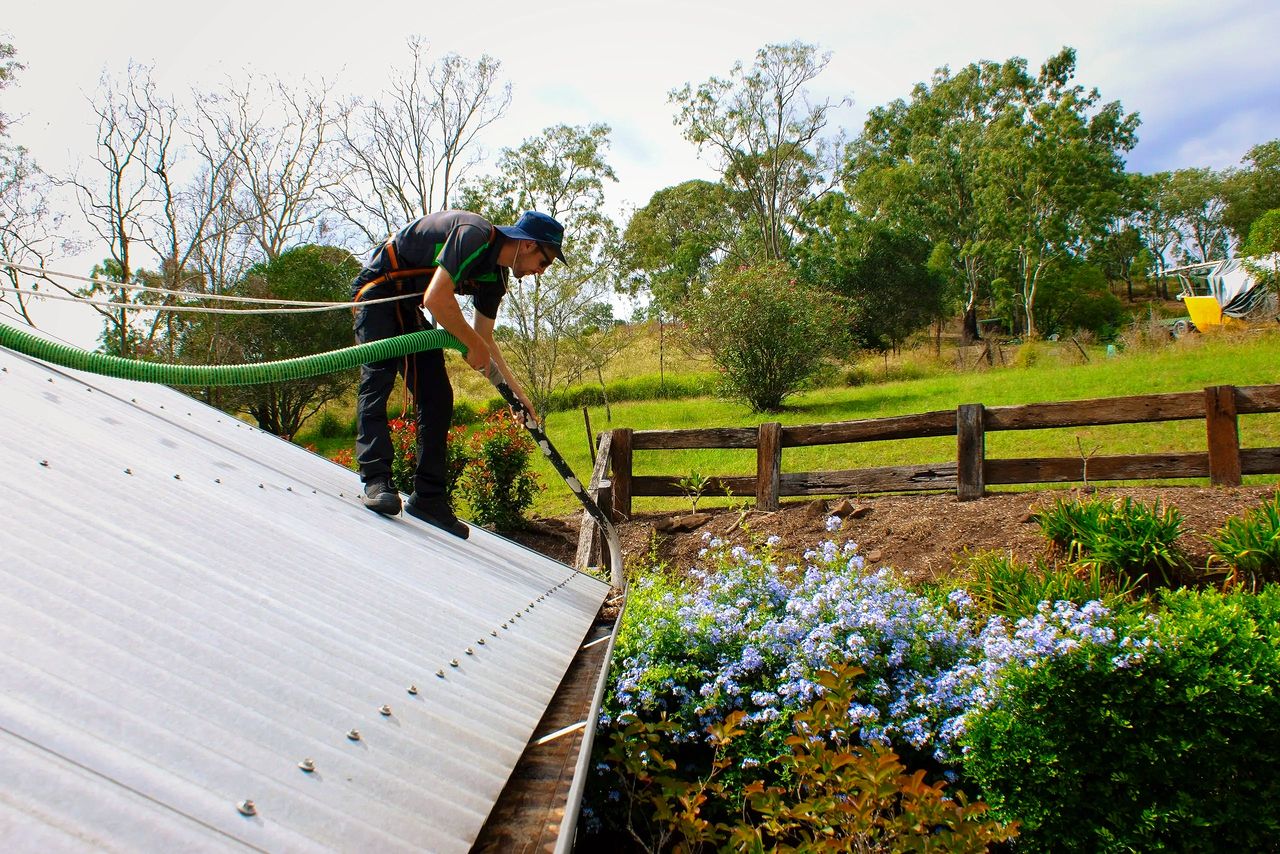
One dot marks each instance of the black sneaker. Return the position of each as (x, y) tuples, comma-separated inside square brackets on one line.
[(380, 497), (437, 512)]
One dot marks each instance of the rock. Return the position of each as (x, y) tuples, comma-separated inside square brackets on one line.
[(816, 509), (682, 524), (860, 511), (1027, 517), (843, 508), (874, 556)]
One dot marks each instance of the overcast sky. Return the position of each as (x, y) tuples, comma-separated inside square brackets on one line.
[(1205, 77)]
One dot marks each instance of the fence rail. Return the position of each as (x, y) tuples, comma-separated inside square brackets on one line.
[(1223, 461)]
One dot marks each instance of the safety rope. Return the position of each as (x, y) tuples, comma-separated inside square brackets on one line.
[(303, 306)]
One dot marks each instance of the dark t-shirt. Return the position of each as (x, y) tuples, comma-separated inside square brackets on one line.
[(465, 244)]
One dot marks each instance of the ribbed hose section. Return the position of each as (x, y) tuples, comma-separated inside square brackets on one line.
[(283, 370)]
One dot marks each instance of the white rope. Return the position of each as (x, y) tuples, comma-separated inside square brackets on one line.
[(296, 306)]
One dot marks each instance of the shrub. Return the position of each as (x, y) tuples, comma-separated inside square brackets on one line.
[(496, 481), (1164, 740), (839, 795), (1125, 539), (1249, 545), (330, 426), (764, 331)]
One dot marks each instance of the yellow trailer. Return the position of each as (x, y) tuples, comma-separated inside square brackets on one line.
[(1216, 293)]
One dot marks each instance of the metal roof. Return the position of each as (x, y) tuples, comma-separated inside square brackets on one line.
[(190, 607)]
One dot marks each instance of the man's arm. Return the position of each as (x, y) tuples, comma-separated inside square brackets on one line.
[(484, 328), (441, 301)]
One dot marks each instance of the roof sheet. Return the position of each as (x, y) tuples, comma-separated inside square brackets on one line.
[(190, 607)]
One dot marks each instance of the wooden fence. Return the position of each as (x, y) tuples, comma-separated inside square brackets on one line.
[(1223, 461)]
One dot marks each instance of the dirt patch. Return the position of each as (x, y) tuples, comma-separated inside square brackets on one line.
[(921, 535)]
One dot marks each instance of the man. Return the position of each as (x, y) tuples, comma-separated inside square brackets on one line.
[(441, 256)]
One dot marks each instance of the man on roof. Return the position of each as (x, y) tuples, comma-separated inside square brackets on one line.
[(441, 256)]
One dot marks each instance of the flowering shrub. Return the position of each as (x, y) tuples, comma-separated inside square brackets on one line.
[(745, 634), (496, 480)]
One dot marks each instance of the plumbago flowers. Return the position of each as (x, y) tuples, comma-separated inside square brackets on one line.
[(742, 632)]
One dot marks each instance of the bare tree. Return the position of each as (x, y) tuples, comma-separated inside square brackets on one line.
[(27, 223), (402, 154), (116, 196), (281, 160)]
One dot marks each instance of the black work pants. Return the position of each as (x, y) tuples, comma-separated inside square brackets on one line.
[(427, 381)]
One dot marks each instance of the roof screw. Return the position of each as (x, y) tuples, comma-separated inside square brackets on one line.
[(504, 625), (133, 399), (44, 463), (385, 711), (495, 634), (288, 489), (307, 765), (413, 689), (440, 672), (453, 663), (217, 480), (260, 486), (353, 734), (177, 477), (247, 807), (481, 641), (471, 651), (50, 379), (128, 471)]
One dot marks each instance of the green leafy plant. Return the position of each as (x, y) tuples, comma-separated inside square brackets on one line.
[(1123, 538), (827, 792), (1001, 584), (765, 332), (1162, 740), (693, 485), (496, 480), (1248, 546)]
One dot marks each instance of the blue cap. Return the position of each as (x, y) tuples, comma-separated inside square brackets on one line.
[(534, 225)]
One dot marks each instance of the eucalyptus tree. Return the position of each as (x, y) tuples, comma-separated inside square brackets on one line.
[(1196, 205), (1252, 191), (766, 138), (1006, 168), (561, 172), (403, 153)]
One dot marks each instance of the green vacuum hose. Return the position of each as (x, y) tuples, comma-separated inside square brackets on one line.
[(283, 370)]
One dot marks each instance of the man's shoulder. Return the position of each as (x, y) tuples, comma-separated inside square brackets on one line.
[(446, 221)]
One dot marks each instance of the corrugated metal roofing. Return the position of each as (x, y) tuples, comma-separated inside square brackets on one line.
[(190, 607)]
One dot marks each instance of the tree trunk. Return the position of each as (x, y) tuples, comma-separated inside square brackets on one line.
[(970, 335)]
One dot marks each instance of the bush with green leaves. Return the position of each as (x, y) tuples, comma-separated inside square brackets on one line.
[(1248, 546), (1123, 538), (839, 795), (497, 481), (1168, 743), (766, 332)]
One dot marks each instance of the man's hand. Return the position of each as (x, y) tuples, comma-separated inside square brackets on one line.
[(478, 355)]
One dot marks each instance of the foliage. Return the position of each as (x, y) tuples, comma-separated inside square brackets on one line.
[(1127, 540), (1254, 190), (1159, 742), (765, 332), (1264, 248), (306, 273), (693, 485), (1075, 296), (496, 481), (766, 138), (1001, 584), (1193, 199), (839, 795), (561, 172), (1248, 546), (884, 274)]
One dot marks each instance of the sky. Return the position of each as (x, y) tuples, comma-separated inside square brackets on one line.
[(1204, 77)]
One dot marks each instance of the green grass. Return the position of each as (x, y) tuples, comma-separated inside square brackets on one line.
[(1195, 363), (1056, 372)]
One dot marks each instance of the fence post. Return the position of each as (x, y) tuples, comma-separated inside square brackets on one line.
[(606, 496), (1224, 435), (620, 456), (768, 465), (971, 452)]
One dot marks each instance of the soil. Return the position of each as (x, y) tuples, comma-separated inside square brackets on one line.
[(920, 535)]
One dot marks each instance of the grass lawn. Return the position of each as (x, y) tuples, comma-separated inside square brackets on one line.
[(1046, 372)]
